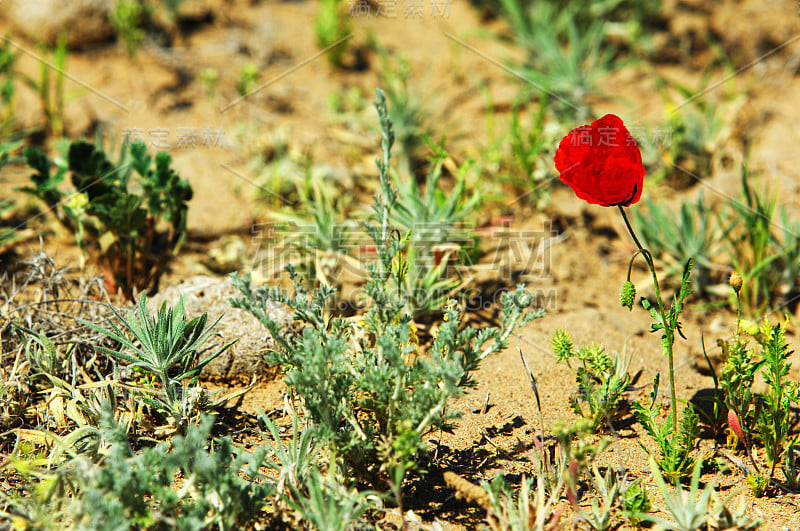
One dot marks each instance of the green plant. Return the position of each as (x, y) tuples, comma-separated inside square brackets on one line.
[(751, 416), (751, 255), (565, 57), (327, 505), (187, 483), (577, 449), (626, 21), (537, 505), (45, 358), (127, 17), (282, 170), (698, 232), (319, 230), (767, 262), (614, 492), (791, 465), (736, 381), (164, 346), (322, 501), (431, 214), (531, 508), (42, 502), (528, 151), (696, 509), (773, 418), (50, 87), (437, 238), (114, 217), (43, 361), (331, 27), (608, 489), (710, 407), (758, 483), (723, 516), (76, 410), (7, 90), (340, 369), (209, 77), (248, 77), (293, 463), (220, 486), (601, 380), (634, 499), (407, 109), (521, 154), (427, 287), (697, 129), (347, 102), (690, 510), (674, 442)]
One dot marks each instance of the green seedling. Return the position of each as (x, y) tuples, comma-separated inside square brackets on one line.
[(698, 232), (127, 17), (408, 111), (165, 346), (50, 87), (331, 27), (773, 418), (764, 252), (675, 441), (7, 91), (117, 211), (601, 380), (697, 128), (209, 77), (564, 57), (248, 77), (690, 510)]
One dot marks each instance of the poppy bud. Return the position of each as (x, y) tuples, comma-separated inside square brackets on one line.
[(627, 295), (735, 280), (736, 427)]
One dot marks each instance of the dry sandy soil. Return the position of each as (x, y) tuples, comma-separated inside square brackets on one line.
[(160, 90)]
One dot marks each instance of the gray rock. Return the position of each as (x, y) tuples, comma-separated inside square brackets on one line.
[(211, 294), (84, 22)]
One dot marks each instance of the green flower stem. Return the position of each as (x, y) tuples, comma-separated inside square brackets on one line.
[(738, 314), (494, 347), (669, 333)]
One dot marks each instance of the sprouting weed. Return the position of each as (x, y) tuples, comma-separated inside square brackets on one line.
[(165, 346), (129, 216), (343, 382), (674, 444), (601, 380), (689, 510)]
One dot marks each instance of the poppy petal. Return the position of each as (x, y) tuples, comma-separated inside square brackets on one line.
[(602, 163)]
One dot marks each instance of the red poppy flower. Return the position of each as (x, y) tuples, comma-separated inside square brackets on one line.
[(601, 162)]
